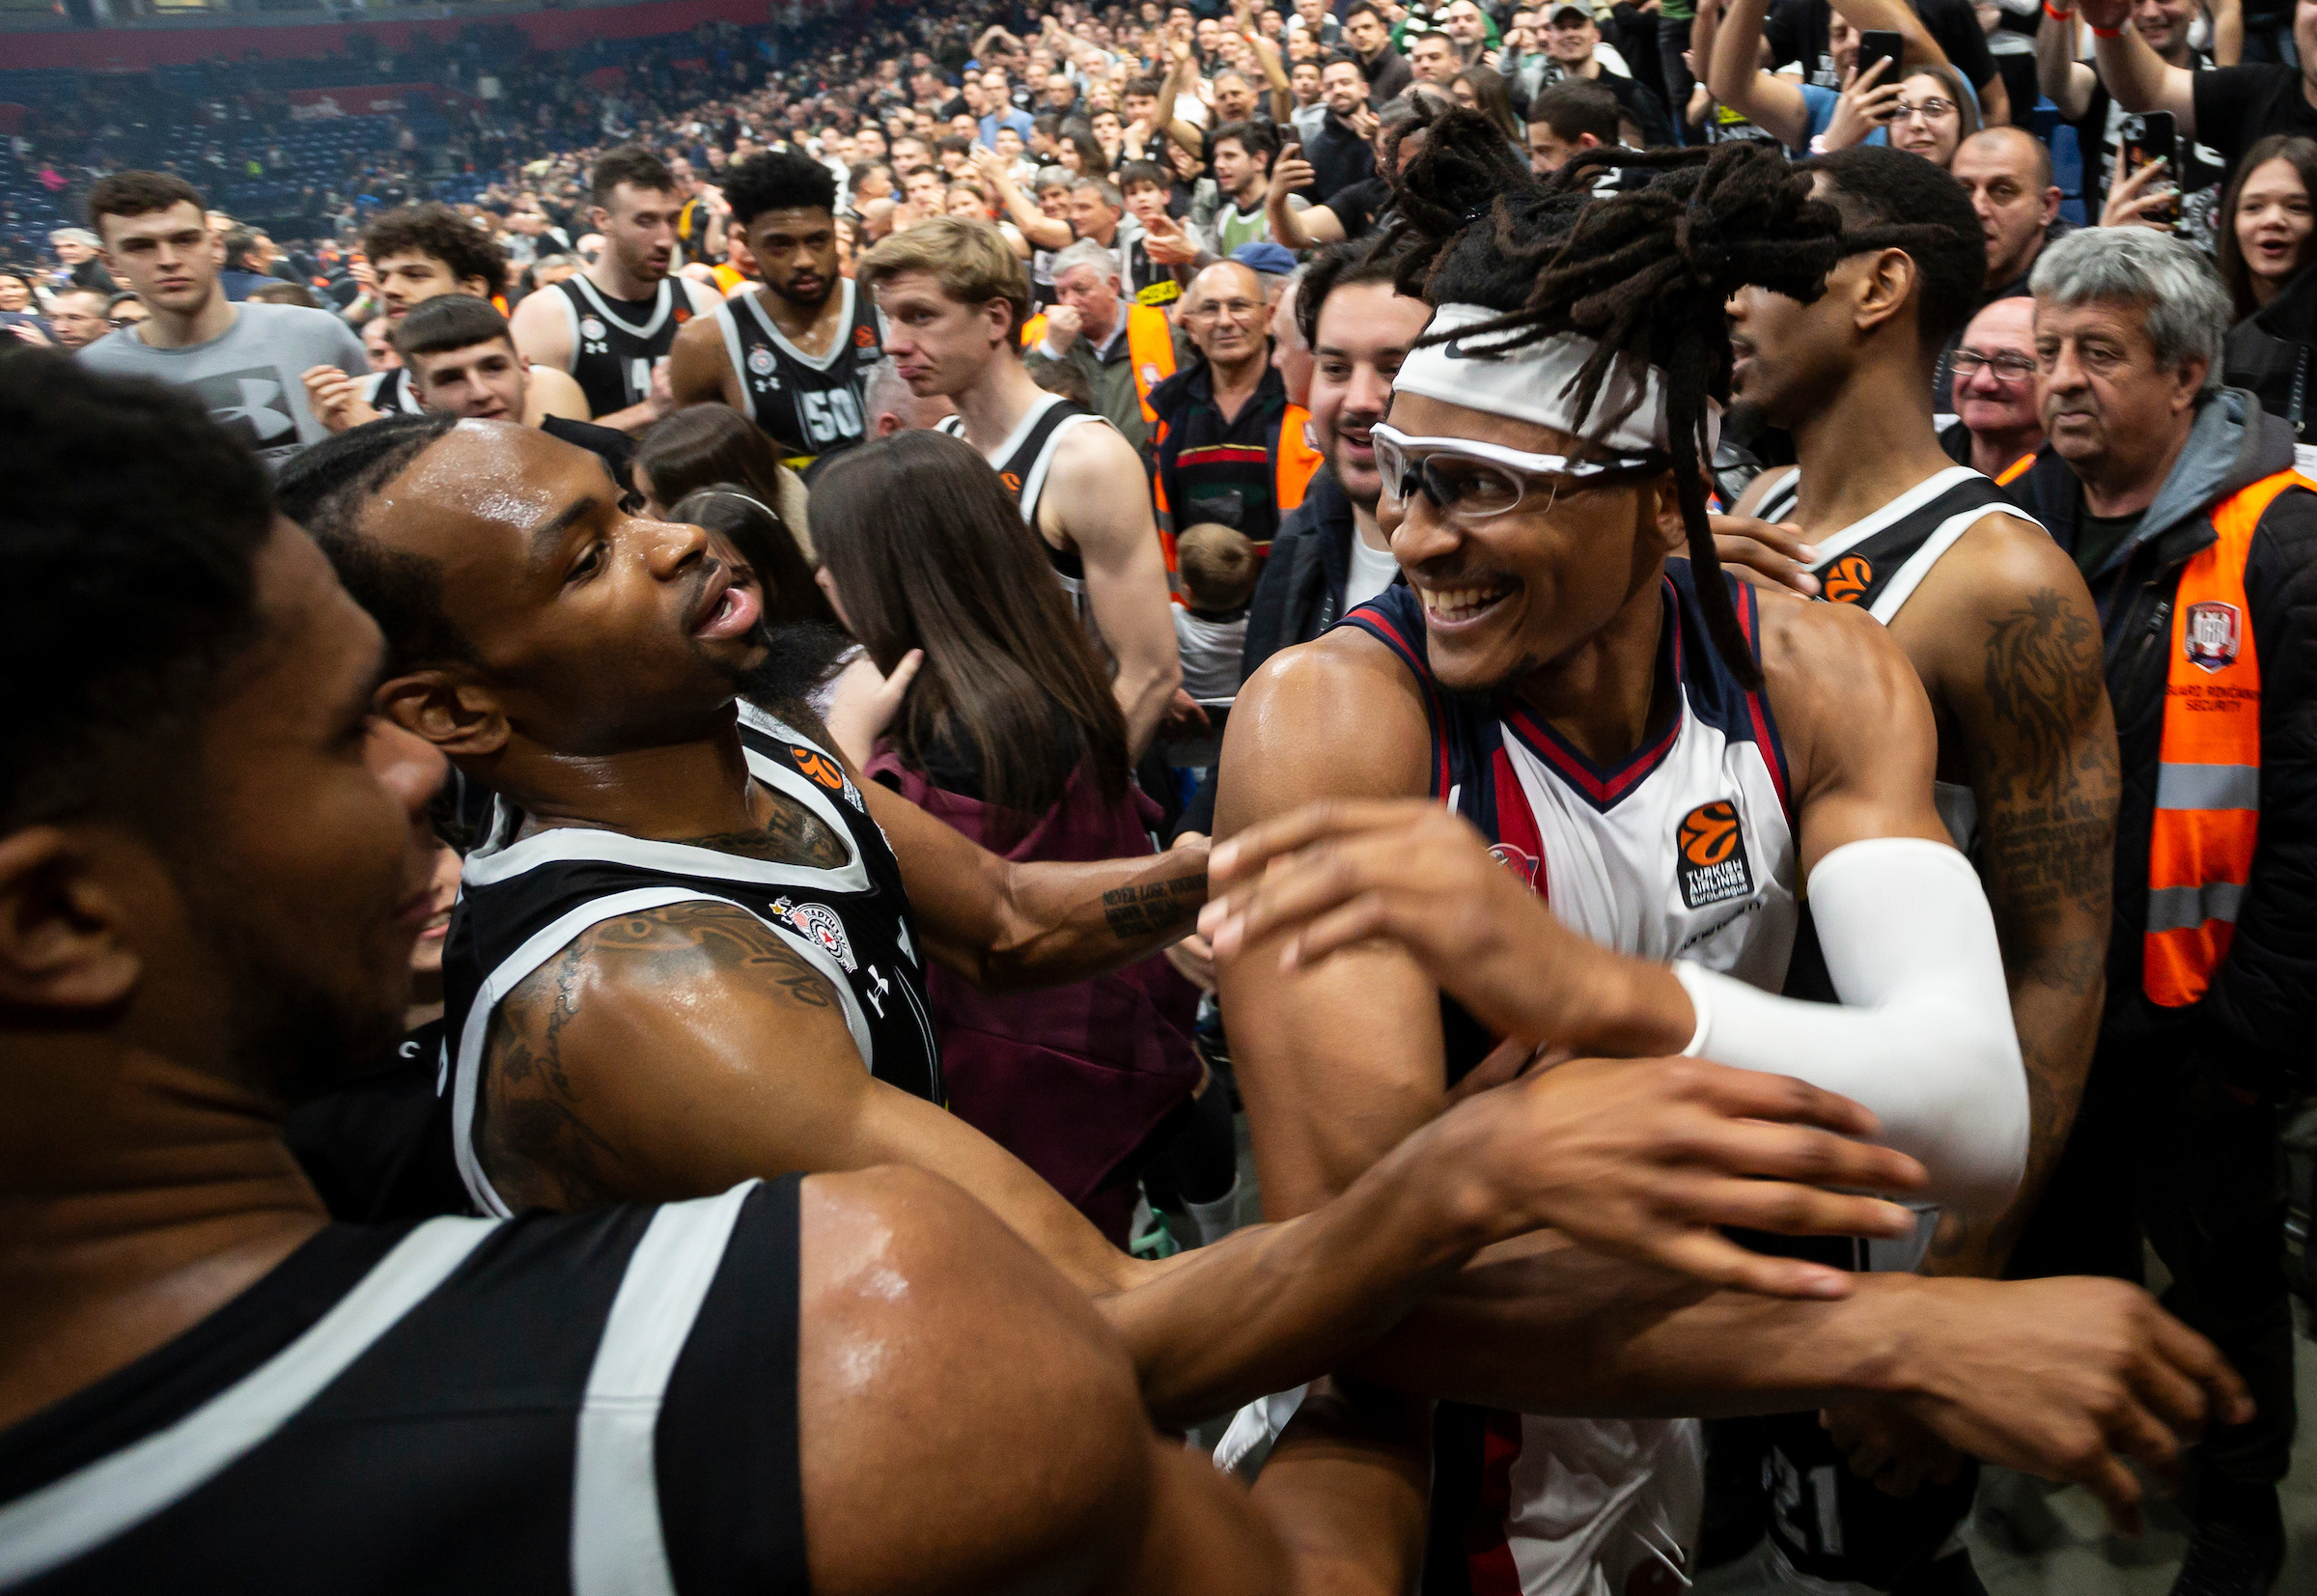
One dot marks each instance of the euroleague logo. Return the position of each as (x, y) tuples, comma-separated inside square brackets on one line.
[(819, 767), (863, 337), (1712, 865), (1847, 579), (1011, 480)]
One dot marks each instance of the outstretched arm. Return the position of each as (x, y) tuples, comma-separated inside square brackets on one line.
[(2067, 81), (1738, 81), (2140, 78)]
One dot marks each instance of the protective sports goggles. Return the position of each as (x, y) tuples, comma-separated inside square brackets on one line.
[(1471, 481)]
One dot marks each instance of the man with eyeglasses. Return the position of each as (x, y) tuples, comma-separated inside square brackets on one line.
[(2007, 172), (1231, 445), (1997, 428)]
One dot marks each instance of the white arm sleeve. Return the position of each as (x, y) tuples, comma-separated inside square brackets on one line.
[(1923, 1035)]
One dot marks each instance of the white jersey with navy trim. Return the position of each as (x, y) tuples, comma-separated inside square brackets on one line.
[(1685, 851), (523, 899), (598, 1402)]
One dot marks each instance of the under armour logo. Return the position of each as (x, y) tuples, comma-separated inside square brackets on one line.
[(251, 404), (875, 993)]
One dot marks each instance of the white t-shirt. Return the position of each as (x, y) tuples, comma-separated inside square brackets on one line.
[(1372, 571)]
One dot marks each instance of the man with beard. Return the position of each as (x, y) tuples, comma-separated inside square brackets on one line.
[(612, 324), (688, 954), (793, 355), (1618, 773), (955, 299), (206, 1385)]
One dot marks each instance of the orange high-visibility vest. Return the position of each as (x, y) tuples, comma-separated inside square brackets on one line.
[(1299, 462), (1150, 349), (2208, 779)]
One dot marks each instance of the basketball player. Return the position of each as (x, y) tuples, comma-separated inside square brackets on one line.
[(459, 356), (1658, 761), (686, 954), (612, 324), (792, 354), (955, 299), (205, 1385), (1996, 620)]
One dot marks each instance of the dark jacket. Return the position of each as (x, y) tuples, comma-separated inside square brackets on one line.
[(1299, 595), (1339, 158), (1387, 75), (1207, 468), (2256, 1020), (2271, 354)]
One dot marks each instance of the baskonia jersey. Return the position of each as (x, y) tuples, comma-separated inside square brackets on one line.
[(1023, 461), (808, 405), (390, 392), (615, 342), (522, 900), (587, 1402), (1684, 851)]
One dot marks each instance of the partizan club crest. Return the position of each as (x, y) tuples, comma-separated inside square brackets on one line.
[(823, 925)]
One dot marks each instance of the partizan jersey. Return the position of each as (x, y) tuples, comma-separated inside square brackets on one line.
[(1684, 851), (523, 902), (390, 393), (808, 404), (589, 1401), (1024, 460), (615, 342)]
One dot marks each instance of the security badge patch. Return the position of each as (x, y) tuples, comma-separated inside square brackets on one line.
[(1710, 860), (2213, 633)]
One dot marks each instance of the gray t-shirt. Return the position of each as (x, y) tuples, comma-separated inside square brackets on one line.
[(248, 375)]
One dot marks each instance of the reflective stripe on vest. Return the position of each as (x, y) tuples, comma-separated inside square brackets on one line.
[(2208, 783), (1150, 349)]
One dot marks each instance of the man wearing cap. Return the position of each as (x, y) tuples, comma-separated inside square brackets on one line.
[(1574, 49), (1231, 445)]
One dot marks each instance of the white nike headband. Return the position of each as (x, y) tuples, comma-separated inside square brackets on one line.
[(1538, 382)]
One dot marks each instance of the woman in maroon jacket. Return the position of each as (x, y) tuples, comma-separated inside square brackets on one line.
[(1009, 732)]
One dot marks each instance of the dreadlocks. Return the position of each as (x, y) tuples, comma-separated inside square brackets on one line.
[(1643, 274)]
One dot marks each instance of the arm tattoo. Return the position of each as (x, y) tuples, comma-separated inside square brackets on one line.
[(2048, 772), (1153, 909), (534, 1132)]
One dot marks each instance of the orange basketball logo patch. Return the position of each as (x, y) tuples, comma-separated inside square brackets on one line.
[(819, 767), (1848, 578), (1712, 866), (863, 336), (1011, 480)]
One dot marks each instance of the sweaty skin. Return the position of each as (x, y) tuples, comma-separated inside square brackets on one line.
[(561, 593)]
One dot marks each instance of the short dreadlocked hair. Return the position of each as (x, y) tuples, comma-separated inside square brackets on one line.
[(1643, 273), (1873, 186), (326, 490)]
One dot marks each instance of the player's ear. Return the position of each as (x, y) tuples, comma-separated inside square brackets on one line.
[(462, 718), (64, 921), (1664, 513)]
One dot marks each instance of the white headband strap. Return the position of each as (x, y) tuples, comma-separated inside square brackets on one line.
[(1537, 382)]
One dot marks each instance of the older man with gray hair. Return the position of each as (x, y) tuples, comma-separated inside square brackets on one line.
[(1122, 348), (2180, 501)]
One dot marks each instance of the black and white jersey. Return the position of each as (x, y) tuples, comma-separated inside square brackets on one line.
[(391, 393), (808, 405), (521, 902), (377, 1147), (588, 1403), (1878, 561), (1023, 461), (615, 342)]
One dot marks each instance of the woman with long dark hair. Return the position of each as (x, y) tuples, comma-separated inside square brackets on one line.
[(2268, 241), (1010, 733), (704, 444), (1481, 89), (761, 539)]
